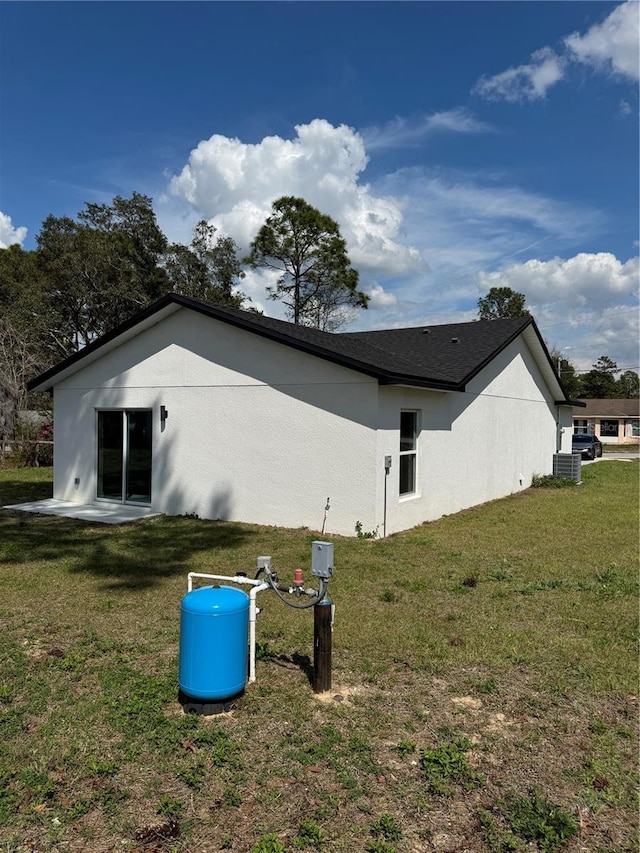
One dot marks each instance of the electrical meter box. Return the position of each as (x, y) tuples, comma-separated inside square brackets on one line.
[(322, 559)]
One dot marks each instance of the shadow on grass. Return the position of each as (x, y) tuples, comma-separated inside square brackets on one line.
[(296, 661), (134, 556), (36, 486)]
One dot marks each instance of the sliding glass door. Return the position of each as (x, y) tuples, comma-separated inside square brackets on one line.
[(124, 456), (138, 457), (110, 455)]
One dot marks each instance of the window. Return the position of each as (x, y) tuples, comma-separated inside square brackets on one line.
[(580, 427), (635, 429), (408, 452), (608, 428)]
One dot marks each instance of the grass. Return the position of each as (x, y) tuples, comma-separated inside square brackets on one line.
[(485, 684)]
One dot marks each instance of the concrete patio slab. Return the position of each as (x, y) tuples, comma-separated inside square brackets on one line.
[(98, 512)]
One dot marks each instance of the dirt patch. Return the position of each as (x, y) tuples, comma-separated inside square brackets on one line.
[(340, 695), (467, 702)]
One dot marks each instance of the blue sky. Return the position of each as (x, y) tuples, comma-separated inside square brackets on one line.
[(460, 145)]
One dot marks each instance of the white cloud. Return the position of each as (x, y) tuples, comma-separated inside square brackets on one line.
[(460, 223), (233, 184), (379, 297), (255, 284), (480, 203), (588, 304), (586, 282), (613, 44), (403, 133), (8, 234), (615, 333), (526, 82), (464, 224)]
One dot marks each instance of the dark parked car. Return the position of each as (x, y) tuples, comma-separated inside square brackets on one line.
[(589, 446)]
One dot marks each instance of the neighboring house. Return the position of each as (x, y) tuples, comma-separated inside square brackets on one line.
[(614, 421), (194, 408)]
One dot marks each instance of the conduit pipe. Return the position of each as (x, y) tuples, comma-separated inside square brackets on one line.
[(257, 586)]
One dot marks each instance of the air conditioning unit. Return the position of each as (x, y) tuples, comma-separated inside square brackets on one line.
[(568, 466)]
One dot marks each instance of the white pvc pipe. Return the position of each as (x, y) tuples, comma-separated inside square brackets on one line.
[(258, 586), (234, 579), (253, 612)]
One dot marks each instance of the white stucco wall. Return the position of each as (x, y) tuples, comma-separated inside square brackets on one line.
[(263, 433), (256, 431), (474, 446)]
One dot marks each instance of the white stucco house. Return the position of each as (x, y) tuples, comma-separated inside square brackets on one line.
[(194, 408)]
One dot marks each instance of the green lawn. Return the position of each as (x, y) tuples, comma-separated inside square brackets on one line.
[(485, 684)]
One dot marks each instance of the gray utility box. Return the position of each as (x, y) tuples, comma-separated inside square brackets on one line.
[(568, 466), (322, 559)]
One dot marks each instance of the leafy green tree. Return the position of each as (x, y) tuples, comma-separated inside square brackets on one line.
[(22, 289), (501, 302), (629, 384), (101, 269), (600, 383), (132, 222), (207, 269), (317, 283), (92, 273), (566, 371)]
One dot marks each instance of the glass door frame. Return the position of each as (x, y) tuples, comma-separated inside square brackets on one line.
[(125, 456)]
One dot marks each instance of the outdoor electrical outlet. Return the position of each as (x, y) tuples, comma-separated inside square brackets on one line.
[(387, 463)]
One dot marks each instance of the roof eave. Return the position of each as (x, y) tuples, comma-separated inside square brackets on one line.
[(420, 382), (551, 367), (547, 367)]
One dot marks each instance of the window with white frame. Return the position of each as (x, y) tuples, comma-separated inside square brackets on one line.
[(580, 426), (635, 429), (408, 452)]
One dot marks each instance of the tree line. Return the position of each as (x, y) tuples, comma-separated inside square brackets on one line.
[(599, 383), (89, 274)]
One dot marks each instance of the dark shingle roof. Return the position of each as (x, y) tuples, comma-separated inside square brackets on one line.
[(444, 357), (440, 356), (456, 351)]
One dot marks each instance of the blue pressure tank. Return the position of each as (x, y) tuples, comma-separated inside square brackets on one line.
[(214, 642)]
